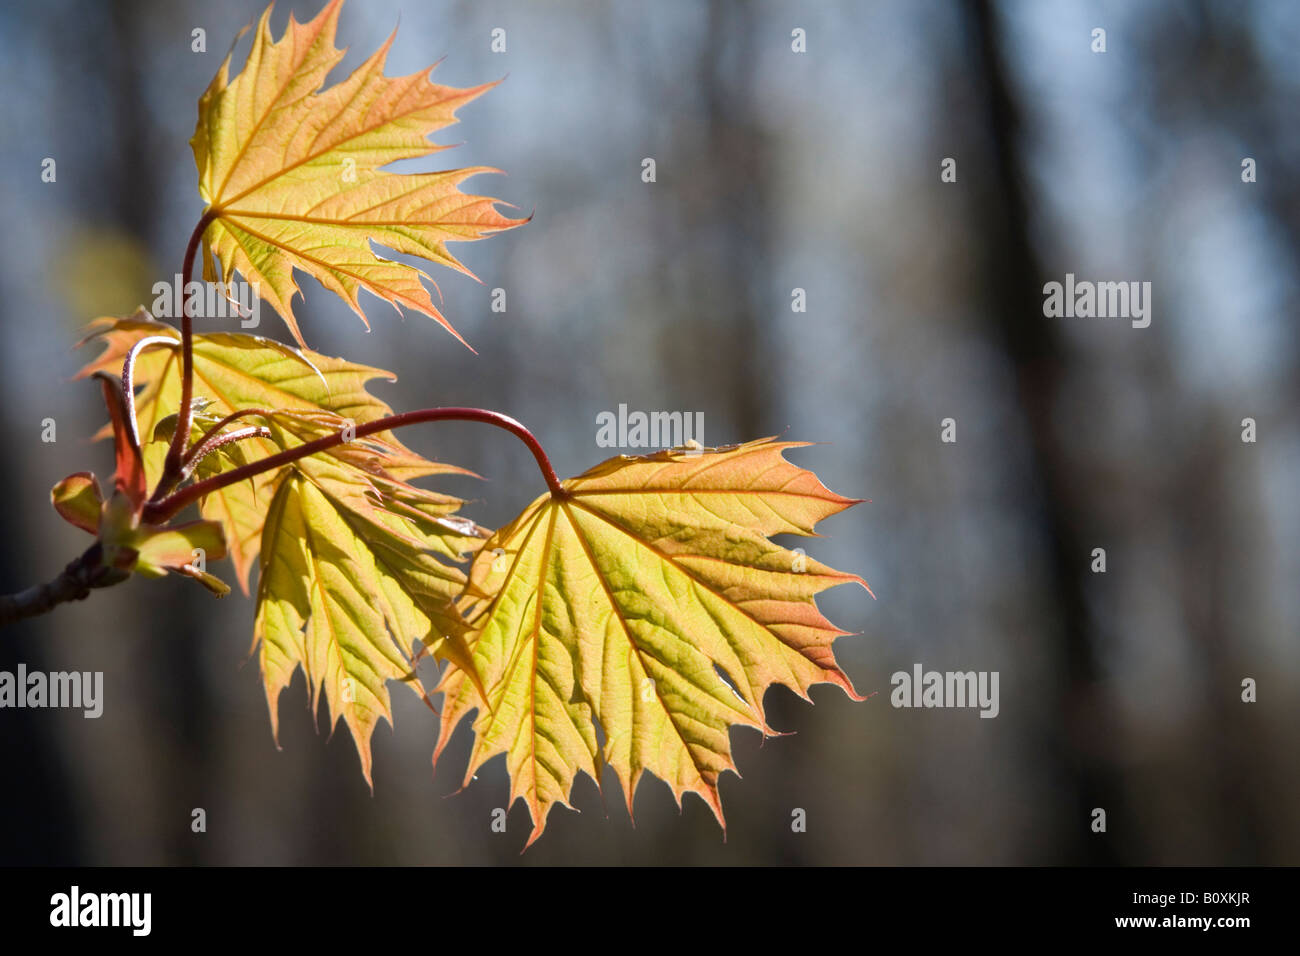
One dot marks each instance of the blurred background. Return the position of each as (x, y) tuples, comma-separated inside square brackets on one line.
[(776, 170)]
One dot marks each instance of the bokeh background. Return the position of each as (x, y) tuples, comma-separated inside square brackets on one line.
[(776, 170)]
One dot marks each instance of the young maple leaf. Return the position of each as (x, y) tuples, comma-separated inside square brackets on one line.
[(355, 564), (344, 589), (292, 176), (234, 372), (620, 600)]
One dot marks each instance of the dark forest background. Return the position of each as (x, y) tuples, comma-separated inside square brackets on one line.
[(776, 170)]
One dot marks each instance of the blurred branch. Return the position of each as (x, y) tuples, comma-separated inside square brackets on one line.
[(74, 583)]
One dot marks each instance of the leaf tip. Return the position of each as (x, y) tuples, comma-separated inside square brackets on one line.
[(857, 579)]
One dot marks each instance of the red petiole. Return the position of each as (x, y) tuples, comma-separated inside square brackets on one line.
[(89, 571), (182, 457), (193, 455), (176, 451), (157, 512)]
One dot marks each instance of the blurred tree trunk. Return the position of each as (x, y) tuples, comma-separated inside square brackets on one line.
[(1210, 59), (1078, 734), (738, 159)]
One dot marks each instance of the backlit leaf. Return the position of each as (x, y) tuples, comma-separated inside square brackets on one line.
[(291, 172), (357, 565), (345, 590), (234, 371), (648, 599)]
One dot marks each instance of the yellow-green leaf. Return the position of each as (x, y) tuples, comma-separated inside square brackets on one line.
[(292, 176), (172, 548), (344, 592), (235, 371), (650, 599), (356, 563)]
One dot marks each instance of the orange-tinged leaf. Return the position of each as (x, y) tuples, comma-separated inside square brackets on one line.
[(292, 176), (356, 564), (625, 601), (234, 371)]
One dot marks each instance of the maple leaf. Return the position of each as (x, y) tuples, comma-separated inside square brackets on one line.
[(292, 176), (647, 598), (338, 532), (344, 590), (233, 372)]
